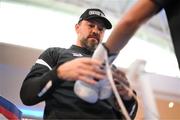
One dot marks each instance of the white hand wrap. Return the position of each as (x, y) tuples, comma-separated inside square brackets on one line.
[(102, 90)]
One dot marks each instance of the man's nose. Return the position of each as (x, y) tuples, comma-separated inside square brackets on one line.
[(96, 30)]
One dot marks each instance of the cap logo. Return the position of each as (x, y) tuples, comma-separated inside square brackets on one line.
[(96, 13)]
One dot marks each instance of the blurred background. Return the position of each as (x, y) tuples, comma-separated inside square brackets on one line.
[(27, 27)]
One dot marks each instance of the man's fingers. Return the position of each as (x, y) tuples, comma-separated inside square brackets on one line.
[(87, 80), (93, 75), (91, 61), (120, 77)]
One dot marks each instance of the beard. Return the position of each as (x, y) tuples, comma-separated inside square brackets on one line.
[(89, 44)]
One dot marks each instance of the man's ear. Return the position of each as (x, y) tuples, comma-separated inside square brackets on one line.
[(77, 27)]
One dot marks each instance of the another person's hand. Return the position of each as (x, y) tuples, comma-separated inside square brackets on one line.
[(85, 69), (122, 84)]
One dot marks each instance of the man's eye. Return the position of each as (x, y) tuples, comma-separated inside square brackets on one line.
[(101, 29), (91, 25)]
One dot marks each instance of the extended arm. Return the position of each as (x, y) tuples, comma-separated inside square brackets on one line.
[(131, 21)]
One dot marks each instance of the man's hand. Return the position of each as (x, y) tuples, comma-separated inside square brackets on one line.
[(85, 69), (122, 84)]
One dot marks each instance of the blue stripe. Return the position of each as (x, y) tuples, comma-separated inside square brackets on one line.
[(10, 107)]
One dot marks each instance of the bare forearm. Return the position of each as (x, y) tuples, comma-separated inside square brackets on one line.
[(129, 24), (119, 37)]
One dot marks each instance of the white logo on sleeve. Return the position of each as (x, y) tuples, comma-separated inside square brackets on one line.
[(77, 54)]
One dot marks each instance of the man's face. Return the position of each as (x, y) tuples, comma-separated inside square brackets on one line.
[(90, 33)]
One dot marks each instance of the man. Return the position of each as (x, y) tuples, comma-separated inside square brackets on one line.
[(53, 76), (137, 15)]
